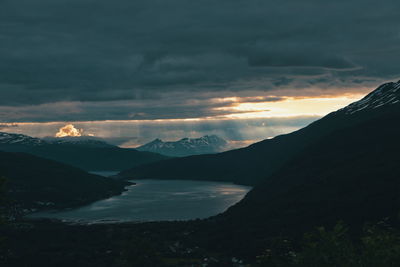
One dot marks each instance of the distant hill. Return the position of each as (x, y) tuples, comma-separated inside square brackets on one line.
[(90, 154), (253, 164), (37, 183), (85, 141), (207, 144)]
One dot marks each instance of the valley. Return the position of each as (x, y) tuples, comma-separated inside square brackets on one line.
[(340, 172)]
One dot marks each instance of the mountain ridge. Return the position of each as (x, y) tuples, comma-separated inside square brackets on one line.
[(90, 154), (351, 174), (34, 183), (207, 144)]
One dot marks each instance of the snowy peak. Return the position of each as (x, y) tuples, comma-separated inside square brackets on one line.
[(207, 140), (16, 140), (155, 143), (19, 139), (79, 141), (186, 146), (386, 94)]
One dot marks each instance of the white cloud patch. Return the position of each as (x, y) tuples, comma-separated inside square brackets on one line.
[(69, 130)]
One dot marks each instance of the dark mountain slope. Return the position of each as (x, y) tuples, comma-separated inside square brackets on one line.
[(253, 164), (95, 158), (352, 174), (90, 155), (33, 182)]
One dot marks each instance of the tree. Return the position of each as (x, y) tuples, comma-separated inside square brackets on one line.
[(3, 250), (379, 245), (2, 200)]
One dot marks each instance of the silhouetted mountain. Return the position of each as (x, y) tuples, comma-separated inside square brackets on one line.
[(251, 165), (351, 174), (37, 183), (207, 144), (90, 154)]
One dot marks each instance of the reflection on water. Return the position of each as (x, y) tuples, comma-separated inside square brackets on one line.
[(104, 173), (155, 200)]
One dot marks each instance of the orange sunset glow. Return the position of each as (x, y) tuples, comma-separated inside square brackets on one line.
[(290, 106)]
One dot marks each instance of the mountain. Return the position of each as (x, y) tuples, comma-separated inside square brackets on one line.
[(351, 174), (19, 140), (86, 141), (37, 183), (251, 165), (207, 144), (90, 154)]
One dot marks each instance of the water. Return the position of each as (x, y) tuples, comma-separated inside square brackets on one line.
[(157, 200)]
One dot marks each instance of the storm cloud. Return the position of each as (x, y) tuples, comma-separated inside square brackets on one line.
[(92, 60)]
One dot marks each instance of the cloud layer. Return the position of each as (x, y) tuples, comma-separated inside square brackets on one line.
[(113, 56), (131, 134)]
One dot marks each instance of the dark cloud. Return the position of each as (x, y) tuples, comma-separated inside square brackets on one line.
[(73, 51), (258, 99), (175, 106)]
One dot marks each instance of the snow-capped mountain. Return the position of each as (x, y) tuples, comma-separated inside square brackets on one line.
[(88, 141), (25, 140), (186, 146), (385, 95), (88, 153), (19, 139)]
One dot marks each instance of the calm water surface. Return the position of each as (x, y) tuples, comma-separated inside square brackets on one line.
[(104, 173), (156, 200)]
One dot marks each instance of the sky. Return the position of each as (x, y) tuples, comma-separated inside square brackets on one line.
[(131, 71)]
